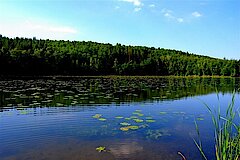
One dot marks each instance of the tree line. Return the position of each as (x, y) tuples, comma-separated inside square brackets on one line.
[(25, 56)]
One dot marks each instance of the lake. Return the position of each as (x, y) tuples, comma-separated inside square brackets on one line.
[(135, 118)]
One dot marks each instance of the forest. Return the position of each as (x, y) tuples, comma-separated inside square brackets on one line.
[(31, 56)]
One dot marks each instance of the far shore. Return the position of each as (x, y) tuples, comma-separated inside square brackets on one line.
[(105, 76)]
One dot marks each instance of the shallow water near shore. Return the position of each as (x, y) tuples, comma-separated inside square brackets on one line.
[(134, 118)]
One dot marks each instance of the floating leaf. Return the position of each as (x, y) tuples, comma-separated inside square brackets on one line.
[(138, 120), (140, 114), (133, 127), (133, 117), (97, 116), (129, 127), (150, 120), (118, 117), (163, 112), (127, 118), (135, 113), (124, 128), (102, 119), (101, 149)]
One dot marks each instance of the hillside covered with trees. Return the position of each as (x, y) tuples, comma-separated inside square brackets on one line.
[(23, 56)]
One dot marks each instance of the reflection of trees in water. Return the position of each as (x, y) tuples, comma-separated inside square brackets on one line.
[(88, 91)]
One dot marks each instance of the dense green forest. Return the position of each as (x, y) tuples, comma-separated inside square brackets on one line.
[(24, 56)]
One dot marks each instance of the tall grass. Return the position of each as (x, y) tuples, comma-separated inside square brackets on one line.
[(226, 132)]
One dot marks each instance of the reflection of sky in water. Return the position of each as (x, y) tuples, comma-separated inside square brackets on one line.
[(72, 131)]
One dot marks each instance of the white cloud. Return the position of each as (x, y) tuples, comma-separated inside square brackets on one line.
[(137, 9), (169, 14), (152, 5), (49, 28), (135, 2), (180, 20), (13, 28), (196, 14)]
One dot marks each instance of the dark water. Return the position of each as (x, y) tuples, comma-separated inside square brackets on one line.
[(134, 118)]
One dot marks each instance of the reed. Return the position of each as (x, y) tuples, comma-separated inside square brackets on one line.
[(226, 132)]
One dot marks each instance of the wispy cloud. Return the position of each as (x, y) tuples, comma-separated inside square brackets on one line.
[(134, 2), (38, 29), (117, 7), (152, 5), (169, 14), (180, 20), (196, 14), (137, 9), (49, 28)]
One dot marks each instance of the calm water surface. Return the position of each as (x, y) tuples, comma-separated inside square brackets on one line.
[(134, 118)]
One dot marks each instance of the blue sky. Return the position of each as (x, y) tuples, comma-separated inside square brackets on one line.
[(209, 27)]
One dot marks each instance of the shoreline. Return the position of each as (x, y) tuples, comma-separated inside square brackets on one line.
[(105, 76)]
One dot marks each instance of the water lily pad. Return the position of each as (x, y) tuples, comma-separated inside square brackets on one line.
[(127, 118), (101, 149), (150, 120), (102, 119), (163, 112), (133, 127), (118, 117), (129, 127), (140, 114), (97, 116), (133, 117), (138, 120), (124, 128), (135, 113)]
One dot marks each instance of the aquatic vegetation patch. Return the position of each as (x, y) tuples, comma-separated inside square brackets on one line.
[(137, 113), (101, 149), (129, 127), (133, 127), (150, 120), (97, 116), (163, 113), (124, 128), (133, 117), (102, 119), (156, 134), (138, 120)]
